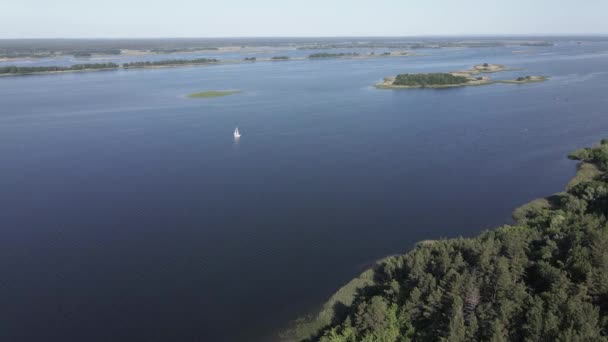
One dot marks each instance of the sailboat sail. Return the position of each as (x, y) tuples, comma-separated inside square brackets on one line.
[(237, 134)]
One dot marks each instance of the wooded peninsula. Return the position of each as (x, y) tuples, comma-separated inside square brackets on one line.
[(543, 278)]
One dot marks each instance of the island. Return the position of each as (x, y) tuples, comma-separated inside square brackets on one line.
[(333, 55), (430, 80), (170, 63), (36, 70), (484, 68), (542, 278), (526, 79), (537, 44), (212, 93), (469, 77)]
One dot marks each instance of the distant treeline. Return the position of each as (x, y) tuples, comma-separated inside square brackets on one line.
[(192, 49), (330, 55), (432, 79), (404, 45), (278, 58), (27, 55), (47, 54), (167, 62), (90, 52), (20, 70), (537, 44)]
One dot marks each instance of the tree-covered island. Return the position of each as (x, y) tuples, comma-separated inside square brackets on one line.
[(333, 55), (542, 279), (470, 77), (170, 62), (432, 79), (31, 70), (21, 70)]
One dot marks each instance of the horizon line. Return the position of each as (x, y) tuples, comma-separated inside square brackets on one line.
[(333, 36)]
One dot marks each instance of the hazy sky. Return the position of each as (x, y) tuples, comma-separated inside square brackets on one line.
[(228, 18)]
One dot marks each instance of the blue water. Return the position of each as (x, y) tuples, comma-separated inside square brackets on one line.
[(130, 214)]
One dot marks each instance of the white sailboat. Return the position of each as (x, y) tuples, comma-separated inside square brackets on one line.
[(237, 134)]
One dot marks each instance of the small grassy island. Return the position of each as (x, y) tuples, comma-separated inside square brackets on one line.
[(461, 78), (526, 79), (486, 68), (212, 93), (543, 278)]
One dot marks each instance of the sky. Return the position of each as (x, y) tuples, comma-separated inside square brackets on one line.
[(308, 18)]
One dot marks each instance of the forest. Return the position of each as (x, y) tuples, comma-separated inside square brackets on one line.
[(183, 49), (168, 62), (543, 278), (90, 52), (431, 79)]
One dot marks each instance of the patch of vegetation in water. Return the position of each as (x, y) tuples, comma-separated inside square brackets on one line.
[(526, 79), (212, 93), (332, 55)]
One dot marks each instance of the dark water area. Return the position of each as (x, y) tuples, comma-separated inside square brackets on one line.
[(129, 213)]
